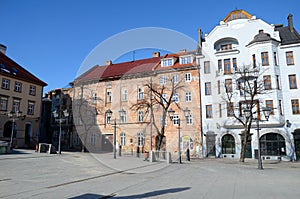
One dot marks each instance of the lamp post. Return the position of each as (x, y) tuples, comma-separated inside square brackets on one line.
[(171, 114), (60, 117), (13, 115), (266, 111)]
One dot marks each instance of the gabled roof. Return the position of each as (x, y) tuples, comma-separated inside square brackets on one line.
[(11, 69), (287, 36), (119, 70)]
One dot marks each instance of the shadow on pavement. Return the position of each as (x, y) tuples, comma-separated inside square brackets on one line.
[(143, 195)]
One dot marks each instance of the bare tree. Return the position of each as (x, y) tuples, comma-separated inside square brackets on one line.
[(249, 84), (159, 98)]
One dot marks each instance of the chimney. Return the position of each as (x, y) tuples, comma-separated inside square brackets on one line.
[(3, 49), (290, 22), (156, 54), (108, 62), (199, 47)]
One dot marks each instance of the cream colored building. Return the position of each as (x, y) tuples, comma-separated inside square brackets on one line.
[(110, 93), (20, 94)]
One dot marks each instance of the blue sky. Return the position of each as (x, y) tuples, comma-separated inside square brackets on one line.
[(51, 38)]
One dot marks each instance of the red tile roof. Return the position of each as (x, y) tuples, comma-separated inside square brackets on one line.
[(11, 69), (119, 70)]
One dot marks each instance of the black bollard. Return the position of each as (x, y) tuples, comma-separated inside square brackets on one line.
[(188, 155)]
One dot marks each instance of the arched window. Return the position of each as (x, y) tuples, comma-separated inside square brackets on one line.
[(272, 144), (228, 144), (123, 139), (141, 139), (7, 129)]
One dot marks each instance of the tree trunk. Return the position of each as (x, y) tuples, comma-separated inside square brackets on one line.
[(243, 149)]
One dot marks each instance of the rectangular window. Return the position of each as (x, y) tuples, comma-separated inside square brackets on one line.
[(230, 109), (175, 97), (140, 93), (175, 78), (3, 103), (234, 64), (253, 61), (189, 120), (123, 116), (280, 107), (188, 96), (278, 82), (220, 65), (163, 122), (275, 59), (16, 105), (209, 111), (108, 118), (265, 58), (108, 96), (164, 98), (162, 80), (167, 62), (267, 82), (206, 67), (124, 95), (292, 81), (228, 85), (185, 60), (290, 58), (18, 87), (220, 110), (94, 98), (295, 106), (32, 90), (175, 119), (140, 116), (227, 66), (226, 47), (123, 139), (188, 77), (207, 88), (5, 84), (30, 109), (269, 104), (219, 86)]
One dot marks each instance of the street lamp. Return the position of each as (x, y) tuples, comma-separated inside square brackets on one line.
[(266, 111), (171, 113), (13, 115), (60, 117)]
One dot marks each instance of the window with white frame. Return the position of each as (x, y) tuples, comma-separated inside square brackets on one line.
[(175, 119), (166, 62), (3, 103), (123, 139), (185, 60), (5, 84), (141, 139), (162, 80), (94, 98), (140, 93), (30, 109), (175, 97), (123, 116), (140, 116), (189, 119), (188, 77), (163, 122), (18, 87), (124, 95), (108, 96), (93, 139), (188, 96), (16, 105), (32, 90), (108, 118), (175, 78)]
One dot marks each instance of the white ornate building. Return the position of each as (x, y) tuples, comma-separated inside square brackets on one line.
[(244, 40)]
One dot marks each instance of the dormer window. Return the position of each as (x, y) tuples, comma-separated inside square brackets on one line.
[(167, 62), (226, 45), (185, 60)]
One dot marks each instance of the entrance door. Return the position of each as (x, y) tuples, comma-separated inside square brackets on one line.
[(297, 143), (211, 144), (28, 134), (248, 152)]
